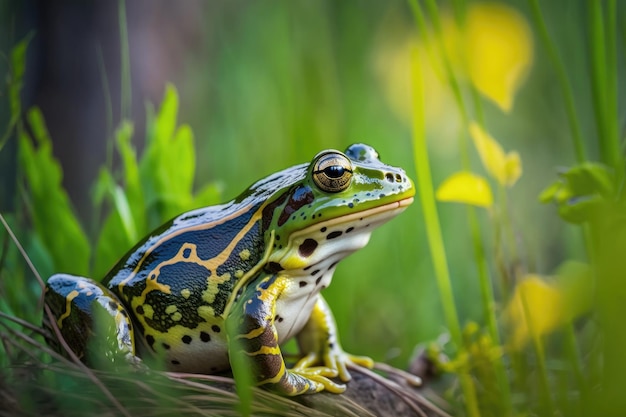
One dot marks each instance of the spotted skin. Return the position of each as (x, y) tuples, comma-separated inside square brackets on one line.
[(241, 278)]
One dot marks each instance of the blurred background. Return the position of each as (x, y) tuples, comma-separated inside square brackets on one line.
[(265, 85)]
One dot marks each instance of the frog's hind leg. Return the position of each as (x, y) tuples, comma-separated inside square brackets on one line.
[(91, 319)]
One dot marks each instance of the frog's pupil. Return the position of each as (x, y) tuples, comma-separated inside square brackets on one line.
[(334, 171)]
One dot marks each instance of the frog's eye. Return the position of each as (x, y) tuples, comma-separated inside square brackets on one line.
[(332, 172)]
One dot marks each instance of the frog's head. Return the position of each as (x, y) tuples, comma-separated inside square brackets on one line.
[(332, 206)]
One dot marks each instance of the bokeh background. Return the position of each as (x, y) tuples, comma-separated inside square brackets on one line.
[(265, 85)]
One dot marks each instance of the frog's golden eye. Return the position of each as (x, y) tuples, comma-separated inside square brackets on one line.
[(332, 172)]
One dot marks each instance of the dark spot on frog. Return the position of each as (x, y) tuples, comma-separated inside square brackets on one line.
[(268, 211), (331, 345), (187, 253), (323, 229), (205, 337), (349, 229), (335, 234), (307, 247), (302, 284), (278, 318), (306, 268), (216, 328), (125, 314), (186, 339), (153, 276), (300, 197), (381, 195), (113, 305), (351, 205), (317, 281), (315, 272), (274, 267), (139, 310), (150, 341), (165, 346)]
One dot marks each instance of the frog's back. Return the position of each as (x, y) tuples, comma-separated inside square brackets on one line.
[(177, 282)]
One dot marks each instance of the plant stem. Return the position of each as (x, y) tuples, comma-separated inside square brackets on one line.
[(486, 284), (126, 92), (604, 80), (433, 231), (541, 358), (566, 88)]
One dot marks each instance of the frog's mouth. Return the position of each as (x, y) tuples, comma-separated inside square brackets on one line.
[(336, 238), (387, 211)]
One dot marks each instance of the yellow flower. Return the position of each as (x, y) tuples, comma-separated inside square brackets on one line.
[(505, 168), (499, 51), (538, 307), (466, 187)]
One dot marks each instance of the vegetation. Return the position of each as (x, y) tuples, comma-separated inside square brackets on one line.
[(507, 272)]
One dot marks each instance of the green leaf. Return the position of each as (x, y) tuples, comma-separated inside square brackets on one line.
[(210, 194), (168, 165), (54, 221), (111, 245), (133, 190), (18, 67), (583, 193)]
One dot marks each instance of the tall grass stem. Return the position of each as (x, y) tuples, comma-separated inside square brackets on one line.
[(433, 231), (564, 83), (126, 92)]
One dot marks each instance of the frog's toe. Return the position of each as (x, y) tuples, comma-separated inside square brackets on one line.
[(364, 361), (341, 360), (321, 382)]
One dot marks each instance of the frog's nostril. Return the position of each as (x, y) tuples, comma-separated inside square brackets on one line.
[(398, 178), (389, 177)]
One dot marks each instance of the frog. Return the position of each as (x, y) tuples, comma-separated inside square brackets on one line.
[(222, 288)]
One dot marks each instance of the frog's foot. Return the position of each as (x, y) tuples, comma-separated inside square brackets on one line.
[(319, 375), (336, 360)]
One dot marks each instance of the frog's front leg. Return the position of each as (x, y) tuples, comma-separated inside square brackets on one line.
[(91, 319), (319, 341), (252, 336)]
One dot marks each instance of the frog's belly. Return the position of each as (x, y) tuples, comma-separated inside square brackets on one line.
[(295, 304)]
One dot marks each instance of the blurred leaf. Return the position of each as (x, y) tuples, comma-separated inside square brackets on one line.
[(209, 195), (53, 218), (582, 193), (466, 187), (505, 168), (538, 308), (499, 47), (116, 235), (18, 67), (168, 165), (134, 193)]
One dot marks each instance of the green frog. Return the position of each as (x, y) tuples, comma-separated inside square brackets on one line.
[(237, 280)]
